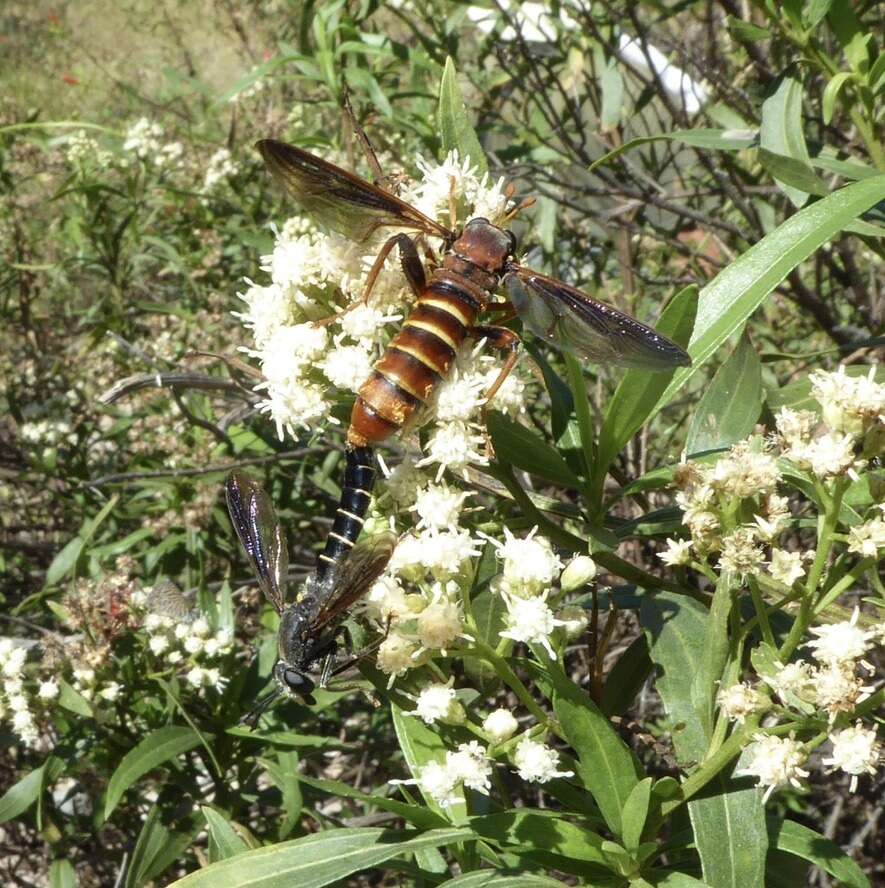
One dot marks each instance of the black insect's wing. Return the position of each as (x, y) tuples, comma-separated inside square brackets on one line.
[(575, 322), (354, 577), (255, 521), (167, 600), (338, 200)]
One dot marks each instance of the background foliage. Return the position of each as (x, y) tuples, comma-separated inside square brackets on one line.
[(120, 273)]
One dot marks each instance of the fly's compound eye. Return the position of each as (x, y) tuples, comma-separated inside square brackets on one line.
[(512, 238), (298, 683)]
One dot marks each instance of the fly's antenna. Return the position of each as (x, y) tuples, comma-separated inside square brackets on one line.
[(356, 494)]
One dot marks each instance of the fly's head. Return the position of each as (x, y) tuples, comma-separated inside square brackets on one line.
[(486, 245), (294, 682)]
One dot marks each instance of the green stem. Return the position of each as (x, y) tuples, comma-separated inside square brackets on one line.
[(826, 527), (510, 678), (761, 614)]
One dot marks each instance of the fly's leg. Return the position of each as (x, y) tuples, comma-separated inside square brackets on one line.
[(413, 269), (503, 339)]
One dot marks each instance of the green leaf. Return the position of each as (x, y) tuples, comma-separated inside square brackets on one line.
[(73, 700), (158, 847), (65, 561), (494, 878), (225, 841), (746, 32), (635, 813), (605, 763), (319, 859), (675, 627), (420, 745), (781, 132), (831, 93), (21, 795), (803, 842), (729, 830), (793, 173), (815, 12), (612, 87), (735, 293), (638, 392), (549, 830), (519, 446), (715, 139), (455, 128), (730, 406), (416, 815), (62, 874), (626, 678), (157, 747)]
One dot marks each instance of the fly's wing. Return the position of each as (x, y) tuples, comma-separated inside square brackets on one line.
[(355, 576), (255, 521), (575, 322), (338, 200)]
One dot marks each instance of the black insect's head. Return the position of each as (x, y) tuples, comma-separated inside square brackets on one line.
[(294, 682)]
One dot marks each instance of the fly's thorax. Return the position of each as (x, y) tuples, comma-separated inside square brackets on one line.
[(485, 246), (294, 639)]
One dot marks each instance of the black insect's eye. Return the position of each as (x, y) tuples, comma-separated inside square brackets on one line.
[(297, 682), (512, 237), (479, 220)]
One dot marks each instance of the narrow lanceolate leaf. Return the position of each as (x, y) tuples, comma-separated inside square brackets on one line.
[(675, 627), (605, 763), (20, 796), (225, 840), (730, 406), (521, 447), (319, 859), (729, 832), (456, 130), (781, 131), (159, 746), (736, 292), (489, 878), (794, 838), (638, 392), (728, 824)]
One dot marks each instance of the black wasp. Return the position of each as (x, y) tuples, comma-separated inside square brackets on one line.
[(310, 625)]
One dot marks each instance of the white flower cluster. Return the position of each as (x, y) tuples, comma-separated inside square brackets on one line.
[(15, 703), (321, 277), (220, 167), (832, 686), (470, 766), (188, 644), (145, 139), (433, 562), (83, 151)]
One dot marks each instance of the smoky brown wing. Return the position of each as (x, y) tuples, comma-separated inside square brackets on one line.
[(356, 576), (255, 521), (338, 200), (575, 322)]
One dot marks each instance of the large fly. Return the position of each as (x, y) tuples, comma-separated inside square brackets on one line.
[(310, 626)]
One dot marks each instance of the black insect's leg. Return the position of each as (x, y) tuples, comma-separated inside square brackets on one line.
[(362, 654), (251, 717), (371, 157)]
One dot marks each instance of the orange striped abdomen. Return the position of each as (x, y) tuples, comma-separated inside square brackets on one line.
[(415, 361)]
